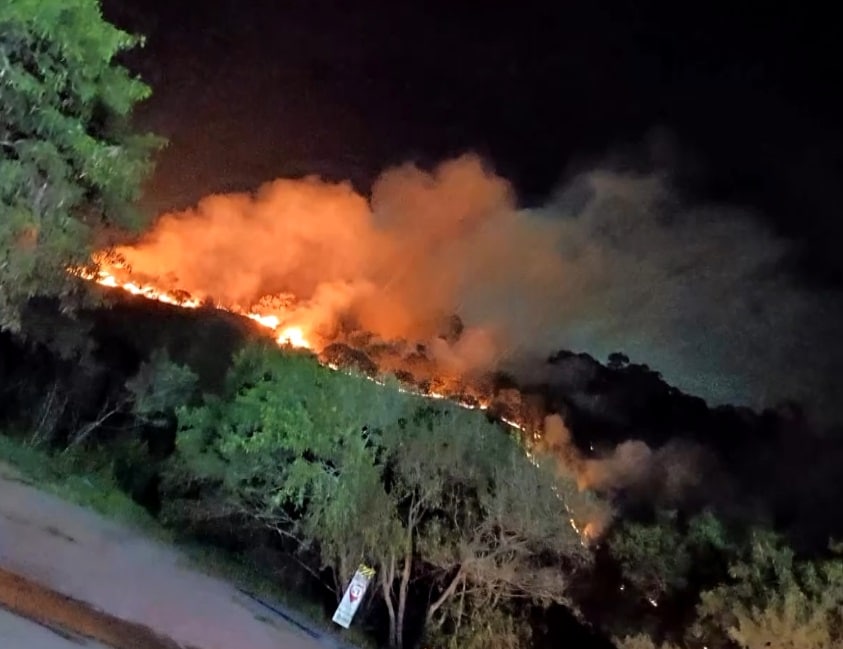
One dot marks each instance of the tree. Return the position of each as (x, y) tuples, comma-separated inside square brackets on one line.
[(160, 387), (618, 360), (70, 168), (485, 628), (434, 496), (659, 559), (477, 517), (294, 447), (775, 600), (151, 396), (654, 558), (641, 641)]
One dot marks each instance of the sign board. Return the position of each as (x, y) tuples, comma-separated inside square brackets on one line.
[(353, 596)]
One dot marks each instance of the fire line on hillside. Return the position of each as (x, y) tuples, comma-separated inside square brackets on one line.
[(283, 333), (116, 276)]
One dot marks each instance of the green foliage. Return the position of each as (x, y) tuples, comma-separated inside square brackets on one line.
[(773, 599), (653, 558), (478, 505), (485, 629), (466, 533), (486, 524), (641, 641), (84, 479), (287, 443), (69, 166), (658, 559), (160, 387), (361, 472)]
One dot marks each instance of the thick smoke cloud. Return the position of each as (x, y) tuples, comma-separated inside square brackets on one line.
[(615, 262)]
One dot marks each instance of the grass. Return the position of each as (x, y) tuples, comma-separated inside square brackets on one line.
[(84, 481), (87, 481)]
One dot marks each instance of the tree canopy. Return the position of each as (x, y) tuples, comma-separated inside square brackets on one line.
[(70, 166), (774, 599), (432, 495)]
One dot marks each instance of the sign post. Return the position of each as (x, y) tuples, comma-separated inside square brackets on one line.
[(353, 596)]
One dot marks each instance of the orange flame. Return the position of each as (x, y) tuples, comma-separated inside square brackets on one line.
[(106, 278), (107, 275), (293, 336)]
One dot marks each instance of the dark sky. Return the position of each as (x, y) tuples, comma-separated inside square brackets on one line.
[(739, 99)]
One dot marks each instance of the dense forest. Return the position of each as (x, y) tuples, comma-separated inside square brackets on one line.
[(481, 535)]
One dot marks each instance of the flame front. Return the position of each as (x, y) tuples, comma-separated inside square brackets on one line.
[(107, 278), (285, 334)]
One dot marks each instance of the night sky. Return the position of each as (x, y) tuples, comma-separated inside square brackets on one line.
[(739, 100)]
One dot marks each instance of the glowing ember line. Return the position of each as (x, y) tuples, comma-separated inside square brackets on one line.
[(104, 278), (292, 336)]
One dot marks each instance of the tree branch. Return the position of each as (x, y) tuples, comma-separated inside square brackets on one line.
[(104, 414), (446, 594)]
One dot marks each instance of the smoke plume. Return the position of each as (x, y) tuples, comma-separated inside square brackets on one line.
[(670, 474), (614, 262)]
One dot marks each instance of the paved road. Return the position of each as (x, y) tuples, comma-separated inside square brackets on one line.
[(117, 570), (20, 633)]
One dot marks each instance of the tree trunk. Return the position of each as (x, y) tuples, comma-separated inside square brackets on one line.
[(461, 607), (52, 409), (81, 435), (340, 578), (387, 578), (406, 571)]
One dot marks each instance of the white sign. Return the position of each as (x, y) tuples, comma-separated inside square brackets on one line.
[(353, 596)]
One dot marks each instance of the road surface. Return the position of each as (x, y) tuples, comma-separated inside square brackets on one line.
[(109, 568), (20, 633)]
